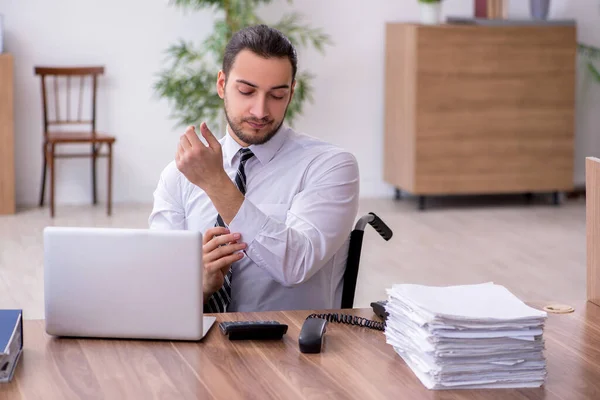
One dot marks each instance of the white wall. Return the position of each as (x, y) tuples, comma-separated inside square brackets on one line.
[(129, 37), (587, 129)]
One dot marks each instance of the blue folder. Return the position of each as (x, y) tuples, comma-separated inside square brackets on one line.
[(11, 342)]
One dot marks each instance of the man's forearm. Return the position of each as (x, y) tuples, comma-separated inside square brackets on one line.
[(226, 198)]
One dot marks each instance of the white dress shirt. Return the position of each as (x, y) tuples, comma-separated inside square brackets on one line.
[(299, 209)]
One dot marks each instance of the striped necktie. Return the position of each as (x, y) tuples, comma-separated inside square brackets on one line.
[(219, 301)]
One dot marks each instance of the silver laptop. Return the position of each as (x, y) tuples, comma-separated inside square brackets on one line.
[(124, 283)]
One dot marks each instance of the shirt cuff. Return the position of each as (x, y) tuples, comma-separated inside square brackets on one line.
[(248, 221)]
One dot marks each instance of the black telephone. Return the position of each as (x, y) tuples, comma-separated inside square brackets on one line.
[(314, 327), (379, 309), (350, 320)]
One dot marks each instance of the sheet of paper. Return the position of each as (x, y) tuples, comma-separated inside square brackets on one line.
[(481, 302)]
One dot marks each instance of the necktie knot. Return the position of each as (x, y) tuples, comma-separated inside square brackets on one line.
[(245, 155), (240, 178)]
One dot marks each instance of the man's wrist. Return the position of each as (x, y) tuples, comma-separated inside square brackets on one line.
[(226, 197), (218, 185)]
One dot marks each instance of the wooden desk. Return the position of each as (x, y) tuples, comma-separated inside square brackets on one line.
[(355, 363)]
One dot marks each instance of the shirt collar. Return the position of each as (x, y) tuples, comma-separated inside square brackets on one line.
[(263, 152)]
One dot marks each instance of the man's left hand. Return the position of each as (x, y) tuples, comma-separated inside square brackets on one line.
[(202, 165)]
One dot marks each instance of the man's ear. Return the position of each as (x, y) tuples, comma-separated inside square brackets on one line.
[(221, 78), (292, 90)]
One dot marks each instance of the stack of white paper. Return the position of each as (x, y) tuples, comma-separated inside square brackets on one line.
[(467, 337)]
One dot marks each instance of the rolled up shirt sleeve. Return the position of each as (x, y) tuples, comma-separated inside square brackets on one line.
[(168, 212), (316, 226)]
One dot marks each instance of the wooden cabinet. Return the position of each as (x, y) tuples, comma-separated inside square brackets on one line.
[(7, 142), (472, 109), (592, 228)]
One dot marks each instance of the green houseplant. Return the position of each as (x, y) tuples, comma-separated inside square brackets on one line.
[(591, 53), (189, 79)]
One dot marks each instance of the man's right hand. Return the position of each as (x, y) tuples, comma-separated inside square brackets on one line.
[(217, 259)]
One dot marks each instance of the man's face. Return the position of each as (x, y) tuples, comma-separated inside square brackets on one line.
[(257, 93)]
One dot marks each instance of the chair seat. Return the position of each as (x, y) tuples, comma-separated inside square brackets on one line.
[(79, 137)]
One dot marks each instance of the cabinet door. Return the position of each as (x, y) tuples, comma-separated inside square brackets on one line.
[(495, 108)]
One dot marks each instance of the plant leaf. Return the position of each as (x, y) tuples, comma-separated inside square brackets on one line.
[(594, 72)]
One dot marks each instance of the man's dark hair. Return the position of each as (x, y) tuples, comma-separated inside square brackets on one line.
[(263, 41)]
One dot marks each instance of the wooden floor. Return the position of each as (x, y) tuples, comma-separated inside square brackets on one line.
[(535, 250)]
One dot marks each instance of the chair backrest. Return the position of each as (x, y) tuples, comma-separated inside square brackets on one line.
[(354, 251), (351, 271), (71, 80)]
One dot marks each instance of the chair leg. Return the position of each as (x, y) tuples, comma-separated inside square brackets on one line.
[(94, 197), (52, 179), (43, 188), (109, 188)]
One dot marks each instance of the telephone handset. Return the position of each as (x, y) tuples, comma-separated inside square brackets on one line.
[(314, 327)]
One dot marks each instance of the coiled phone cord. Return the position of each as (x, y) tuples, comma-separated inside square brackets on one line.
[(350, 320)]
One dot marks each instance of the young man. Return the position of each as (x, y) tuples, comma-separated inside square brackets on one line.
[(275, 206)]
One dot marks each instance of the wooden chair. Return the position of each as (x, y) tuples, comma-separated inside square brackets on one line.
[(75, 129)]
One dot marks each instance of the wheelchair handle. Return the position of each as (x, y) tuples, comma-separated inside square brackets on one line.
[(376, 222)]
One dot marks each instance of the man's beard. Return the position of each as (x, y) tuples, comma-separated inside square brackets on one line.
[(236, 127)]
